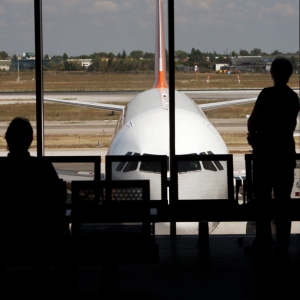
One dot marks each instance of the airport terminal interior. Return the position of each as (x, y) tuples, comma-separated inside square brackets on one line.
[(149, 237)]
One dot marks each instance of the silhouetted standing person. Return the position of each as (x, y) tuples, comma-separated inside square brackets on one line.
[(271, 126)]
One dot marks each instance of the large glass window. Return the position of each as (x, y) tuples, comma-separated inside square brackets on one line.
[(17, 74), (90, 46)]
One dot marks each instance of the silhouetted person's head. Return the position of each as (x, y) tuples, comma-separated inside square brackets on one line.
[(281, 70), (19, 135)]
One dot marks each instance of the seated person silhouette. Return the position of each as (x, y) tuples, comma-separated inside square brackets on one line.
[(31, 211), (270, 133), (19, 163)]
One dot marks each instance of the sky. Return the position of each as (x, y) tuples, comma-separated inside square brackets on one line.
[(79, 27)]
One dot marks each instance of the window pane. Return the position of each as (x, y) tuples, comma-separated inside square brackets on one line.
[(17, 65), (122, 163), (208, 165), (216, 162), (132, 165), (189, 166), (148, 166)]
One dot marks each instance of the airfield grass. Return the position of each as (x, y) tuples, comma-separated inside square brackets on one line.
[(87, 81), (55, 112)]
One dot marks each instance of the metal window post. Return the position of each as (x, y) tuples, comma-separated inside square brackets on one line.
[(171, 39), (38, 29)]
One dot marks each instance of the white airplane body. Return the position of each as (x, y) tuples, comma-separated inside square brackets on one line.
[(145, 130)]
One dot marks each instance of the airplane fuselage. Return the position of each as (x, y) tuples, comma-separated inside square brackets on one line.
[(146, 132), (146, 126)]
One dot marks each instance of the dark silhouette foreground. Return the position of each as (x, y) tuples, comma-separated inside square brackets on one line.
[(32, 211), (271, 127)]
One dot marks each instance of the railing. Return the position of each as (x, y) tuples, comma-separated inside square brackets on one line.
[(101, 202), (96, 160), (249, 177), (118, 230), (116, 169), (217, 168)]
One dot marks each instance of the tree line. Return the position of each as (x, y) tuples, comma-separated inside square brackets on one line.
[(138, 60)]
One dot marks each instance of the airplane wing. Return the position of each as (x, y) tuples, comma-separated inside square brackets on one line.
[(112, 107), (121, 108), (215, 105)]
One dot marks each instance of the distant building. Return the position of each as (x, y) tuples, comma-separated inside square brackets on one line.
[(245, 60), (28, 55), (184, 68), (268, 59), (247, 63), (24, 64), (5, 65), (85, 62), (255, 63), (217, 67)]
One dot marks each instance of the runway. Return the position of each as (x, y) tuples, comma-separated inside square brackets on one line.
[(108, 126), (72, 127)]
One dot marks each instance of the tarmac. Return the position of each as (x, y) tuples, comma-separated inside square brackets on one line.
[(183, 272)]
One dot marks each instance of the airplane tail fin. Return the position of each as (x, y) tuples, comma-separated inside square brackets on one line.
[(160, 60)]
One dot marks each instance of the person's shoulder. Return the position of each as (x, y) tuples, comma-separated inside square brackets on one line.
[(264, 94), (266, 90), (293, 96), (269, 90), (39, 160), (4, 161), (42, 162), (294, 93), (44, 165)]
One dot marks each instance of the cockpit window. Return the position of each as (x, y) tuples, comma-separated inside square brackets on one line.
[(208, 165), (131, 165), (155, 167), (189, 166), (121, 164), (216, 162), (150, 166)]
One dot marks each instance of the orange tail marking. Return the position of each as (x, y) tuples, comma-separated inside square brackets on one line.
[(160, 60)]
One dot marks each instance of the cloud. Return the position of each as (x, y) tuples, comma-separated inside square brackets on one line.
[(77, 26), (105, 7), (204, 5), (18, 2), (50, 9), (231, 5), (1, 10), (3, 23), (286, 10), (193, 5)]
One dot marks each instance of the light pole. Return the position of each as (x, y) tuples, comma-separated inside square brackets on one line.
[(18, 79)]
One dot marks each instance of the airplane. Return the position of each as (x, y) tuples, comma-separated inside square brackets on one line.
[(144, 130)]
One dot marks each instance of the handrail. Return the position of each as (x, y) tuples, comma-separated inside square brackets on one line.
[(162, 159), (210, 157), (78, 159)]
